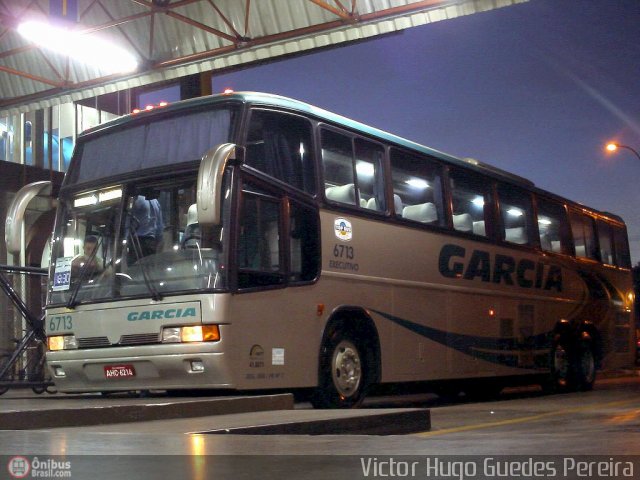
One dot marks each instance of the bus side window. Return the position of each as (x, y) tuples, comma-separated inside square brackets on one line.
[(280, 145), (516, 212), (417, 188), (337, 161), (471, 201), (353, 172), (621, 245), (552, 226), (369, 158), (605, 242), (584, 236), (259, 259)]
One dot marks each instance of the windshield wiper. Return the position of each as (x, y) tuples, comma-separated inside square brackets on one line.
[(137, 249), (71, 303)]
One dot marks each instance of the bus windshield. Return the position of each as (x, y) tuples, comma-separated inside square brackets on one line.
[(135, 240)]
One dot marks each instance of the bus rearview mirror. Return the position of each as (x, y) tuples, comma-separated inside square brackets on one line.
[(212, 166)]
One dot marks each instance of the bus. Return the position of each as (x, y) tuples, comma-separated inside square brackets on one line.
[(247, 241)]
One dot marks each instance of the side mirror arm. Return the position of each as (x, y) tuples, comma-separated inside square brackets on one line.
[(15, 213)]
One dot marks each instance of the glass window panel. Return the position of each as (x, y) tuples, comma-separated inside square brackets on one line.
[(417, 188), (153, 145), (369, 158), (516, 212), (337, 161), (584, 236), (605, 242), (471, 201), (259, 244), (622, 256), (280, 146), (552, 222)]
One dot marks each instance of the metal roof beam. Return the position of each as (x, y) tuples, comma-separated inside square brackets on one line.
[(122, 32), (246, 17), (340, 12), (226, 21), (35, 78), (202, 26)]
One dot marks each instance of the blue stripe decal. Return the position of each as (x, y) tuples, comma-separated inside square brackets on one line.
[(503, 351)]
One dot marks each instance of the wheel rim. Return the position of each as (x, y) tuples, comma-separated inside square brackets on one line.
[(560, 365), (346, 369)]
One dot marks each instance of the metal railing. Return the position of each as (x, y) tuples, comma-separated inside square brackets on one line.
[(24, 365)]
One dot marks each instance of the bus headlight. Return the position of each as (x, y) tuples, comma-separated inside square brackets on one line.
[(62, 342), (191, 333)]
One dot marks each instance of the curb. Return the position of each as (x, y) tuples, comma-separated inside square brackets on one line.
[(394, 423), (103, 415)]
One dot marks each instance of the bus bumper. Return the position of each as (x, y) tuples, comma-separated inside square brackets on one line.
[(110, 369)]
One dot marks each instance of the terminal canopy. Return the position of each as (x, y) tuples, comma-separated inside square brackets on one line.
[(174, 38)]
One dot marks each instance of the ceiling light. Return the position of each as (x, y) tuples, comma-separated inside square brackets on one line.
[(85, 48), (417, 183)]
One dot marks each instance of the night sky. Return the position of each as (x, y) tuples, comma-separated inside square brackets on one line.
[(536, 89)]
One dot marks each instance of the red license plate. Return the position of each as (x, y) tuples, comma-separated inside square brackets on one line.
[(119, 371)]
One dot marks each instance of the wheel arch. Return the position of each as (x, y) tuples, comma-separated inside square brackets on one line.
[(572, 333)]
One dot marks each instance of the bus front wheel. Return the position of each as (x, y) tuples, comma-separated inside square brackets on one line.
[(342, 374)]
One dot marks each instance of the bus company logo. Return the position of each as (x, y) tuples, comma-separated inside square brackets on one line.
[(19, 467), (343, 229), (161, 314)]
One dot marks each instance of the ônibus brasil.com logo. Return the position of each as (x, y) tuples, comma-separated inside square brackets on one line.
[(21, 467)]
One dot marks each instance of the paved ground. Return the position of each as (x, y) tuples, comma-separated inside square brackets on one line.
[(522, 422)]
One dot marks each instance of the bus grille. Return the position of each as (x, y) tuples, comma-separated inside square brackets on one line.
[(138, 339), (93, 342)]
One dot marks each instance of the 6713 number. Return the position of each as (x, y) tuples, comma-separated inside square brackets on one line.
[(343, 251), (60, 322)]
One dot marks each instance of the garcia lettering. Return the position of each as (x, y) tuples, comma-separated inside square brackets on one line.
[(161, 314), (525, 273)]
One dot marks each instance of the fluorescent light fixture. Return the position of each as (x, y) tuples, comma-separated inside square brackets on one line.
[(85, 48), (365, 169), (85, 201), (544, 221), (417, 183), (110, 195), (478, 201), (515, 212)]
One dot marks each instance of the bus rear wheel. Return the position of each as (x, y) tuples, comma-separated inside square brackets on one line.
[(573, 366), (342, 379)]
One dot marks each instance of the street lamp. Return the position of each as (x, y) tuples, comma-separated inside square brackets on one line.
[(612, 147)]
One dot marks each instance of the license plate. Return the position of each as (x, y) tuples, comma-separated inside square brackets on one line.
[(119, 371)]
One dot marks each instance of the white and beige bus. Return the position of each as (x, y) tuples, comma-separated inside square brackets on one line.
[(247, 241)]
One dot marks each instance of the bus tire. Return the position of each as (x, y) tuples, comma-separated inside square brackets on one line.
[(562, 369), (342, 381), (585, 365)]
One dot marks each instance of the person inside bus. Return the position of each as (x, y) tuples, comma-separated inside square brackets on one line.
[(148, 225), (89, 259)]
